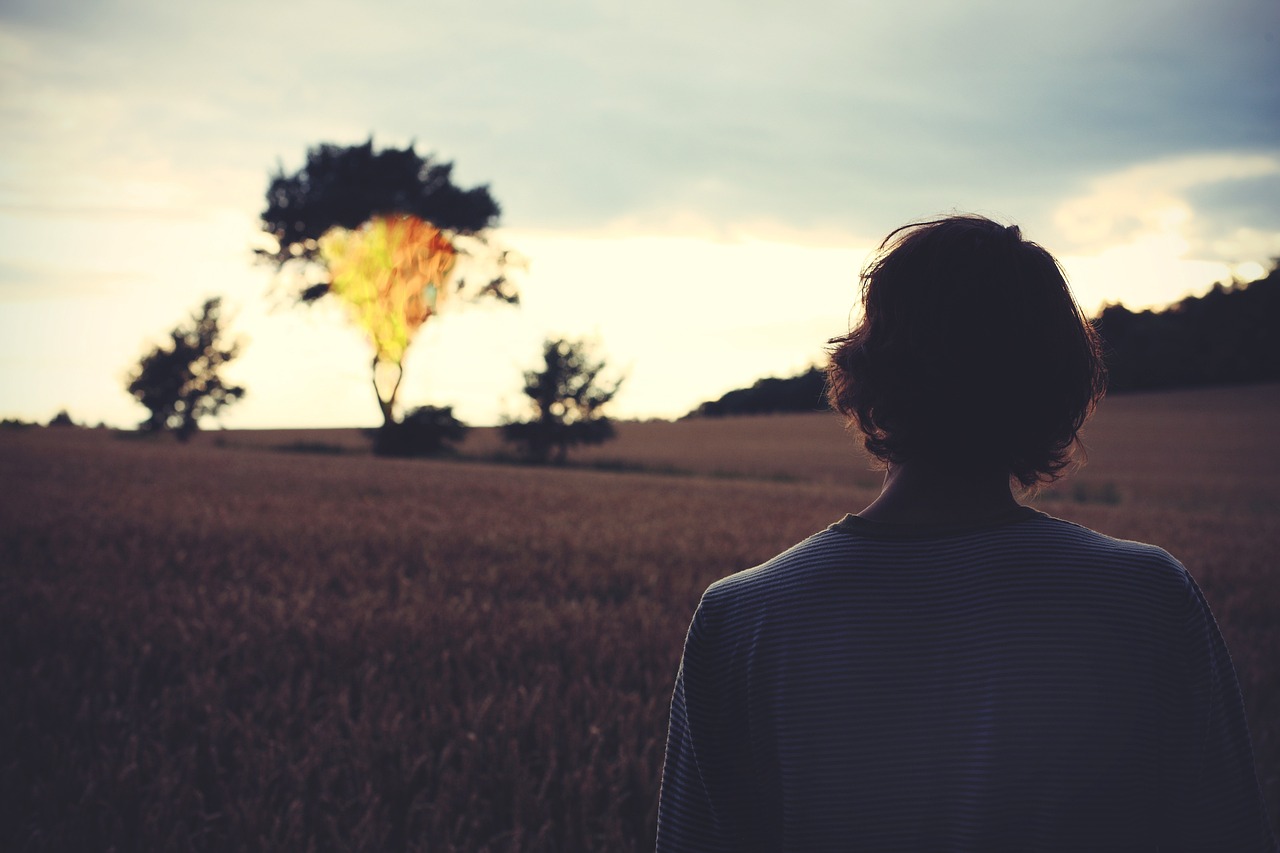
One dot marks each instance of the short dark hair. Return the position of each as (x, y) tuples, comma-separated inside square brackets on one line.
[(970, 351)]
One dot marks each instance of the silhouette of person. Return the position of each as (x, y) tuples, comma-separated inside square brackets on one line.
[(948, 669)]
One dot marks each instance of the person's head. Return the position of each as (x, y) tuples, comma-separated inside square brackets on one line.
[(971, 353)]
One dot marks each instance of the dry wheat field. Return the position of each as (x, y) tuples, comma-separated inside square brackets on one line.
[(225, 646)]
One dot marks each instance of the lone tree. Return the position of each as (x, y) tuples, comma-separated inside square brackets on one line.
[(566, 397), (390, 235), (179, 382)]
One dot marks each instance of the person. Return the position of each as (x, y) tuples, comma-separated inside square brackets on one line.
[(949, 669)]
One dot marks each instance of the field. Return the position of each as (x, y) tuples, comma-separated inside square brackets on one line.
[(230, 646)]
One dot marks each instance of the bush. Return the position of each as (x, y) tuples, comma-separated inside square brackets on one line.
[(426, 431)]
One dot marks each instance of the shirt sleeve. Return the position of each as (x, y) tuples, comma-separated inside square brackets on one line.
[(686, 819), (1219, 802)]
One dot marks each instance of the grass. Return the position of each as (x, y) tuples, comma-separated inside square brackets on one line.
[(218, 648)]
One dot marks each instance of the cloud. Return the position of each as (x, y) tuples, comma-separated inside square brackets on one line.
[(1141, 234), (840, 116), (1152, 198)]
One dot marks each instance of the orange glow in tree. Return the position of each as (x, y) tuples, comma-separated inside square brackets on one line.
[(391, 272)]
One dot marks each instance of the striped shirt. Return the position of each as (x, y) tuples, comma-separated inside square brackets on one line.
[(1024, 685)]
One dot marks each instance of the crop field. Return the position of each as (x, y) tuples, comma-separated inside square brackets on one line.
[(228, 646)]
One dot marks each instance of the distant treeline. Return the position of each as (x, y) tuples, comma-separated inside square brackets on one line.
[(803, 393), (1226, 337), (1229, 336)]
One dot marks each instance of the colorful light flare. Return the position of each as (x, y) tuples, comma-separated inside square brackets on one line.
[(391, 273)]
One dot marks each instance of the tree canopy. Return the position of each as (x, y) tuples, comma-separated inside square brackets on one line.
[(346, 186)]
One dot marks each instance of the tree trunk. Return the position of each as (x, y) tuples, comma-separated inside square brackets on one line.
[(388, 402)]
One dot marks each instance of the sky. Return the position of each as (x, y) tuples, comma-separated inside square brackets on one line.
[(695, 185)]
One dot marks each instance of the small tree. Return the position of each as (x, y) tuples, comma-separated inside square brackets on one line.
[(179, 382), (566, 397)]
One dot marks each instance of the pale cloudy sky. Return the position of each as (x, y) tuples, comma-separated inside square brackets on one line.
[(695, 184)]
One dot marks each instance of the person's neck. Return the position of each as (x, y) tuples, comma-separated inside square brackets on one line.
[(914, 493)]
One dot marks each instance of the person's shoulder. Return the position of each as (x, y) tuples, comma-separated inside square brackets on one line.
[(824, 548), (1079, 543), (1070, 532)]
